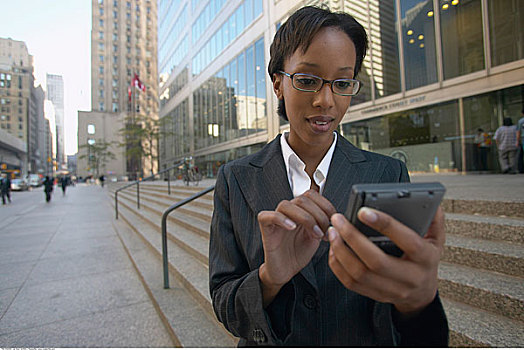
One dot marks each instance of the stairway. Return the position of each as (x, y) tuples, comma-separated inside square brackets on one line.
[(481, 276)]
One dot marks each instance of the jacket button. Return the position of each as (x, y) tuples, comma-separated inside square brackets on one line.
[(310, 302), (258, 336)]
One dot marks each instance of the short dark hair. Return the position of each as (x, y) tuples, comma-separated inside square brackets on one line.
[(507, 121), (298, 32)]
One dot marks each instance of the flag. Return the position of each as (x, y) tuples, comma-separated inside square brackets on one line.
[(129, 93), (138, 84)]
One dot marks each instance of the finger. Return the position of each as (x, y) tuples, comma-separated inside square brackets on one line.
[(321, 201), (314, 209), (354, 275), (301, 217), (404, 237), (437, 230), (371, 255), (268, 218)]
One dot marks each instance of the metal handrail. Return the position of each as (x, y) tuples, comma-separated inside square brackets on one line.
[(164, 229), (137, 183)]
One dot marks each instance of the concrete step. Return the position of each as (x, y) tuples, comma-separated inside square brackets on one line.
[(196, 225), (483, 207), (471, 327), (202, 212), (486, 227), (497, 256), (490, 291), (188, 240), (190, 323)]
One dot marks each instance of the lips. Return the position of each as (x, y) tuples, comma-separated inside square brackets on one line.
[(320, 123)]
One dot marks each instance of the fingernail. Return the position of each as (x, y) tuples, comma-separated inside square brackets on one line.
[(290, 224), (368, 214), (337, 219), (318, 232), (332, 233)]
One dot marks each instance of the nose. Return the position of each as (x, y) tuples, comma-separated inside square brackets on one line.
[(324, 97)]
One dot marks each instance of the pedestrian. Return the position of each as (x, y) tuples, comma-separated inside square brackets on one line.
[(520, 140), (483, 143), (5, 188), (63, 183), (506, 138), (48, 188), (102, 179), (277, 276)]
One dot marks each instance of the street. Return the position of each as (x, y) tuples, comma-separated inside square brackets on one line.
[(65, 278)]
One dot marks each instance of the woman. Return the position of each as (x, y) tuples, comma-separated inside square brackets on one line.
[(279, 274)]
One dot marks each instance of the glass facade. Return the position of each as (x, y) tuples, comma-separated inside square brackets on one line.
[(232, 103), (415, 47)]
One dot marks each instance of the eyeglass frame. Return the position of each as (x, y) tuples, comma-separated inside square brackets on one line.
[(324, 81)]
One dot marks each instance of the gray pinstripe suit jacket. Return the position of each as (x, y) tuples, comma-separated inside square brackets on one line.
[(314, 308)]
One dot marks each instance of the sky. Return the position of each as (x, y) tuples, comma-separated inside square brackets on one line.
[(58, 36)]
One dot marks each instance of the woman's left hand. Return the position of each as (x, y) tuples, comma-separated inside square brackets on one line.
[(408, 282)]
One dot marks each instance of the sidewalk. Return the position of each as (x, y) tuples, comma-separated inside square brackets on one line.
[(65, 278)]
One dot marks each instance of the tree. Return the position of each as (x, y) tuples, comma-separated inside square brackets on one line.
[(98, 154), (141, 135)]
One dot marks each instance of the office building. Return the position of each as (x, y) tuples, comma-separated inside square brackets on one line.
[(19, 110), (124, 86), (435, 72)]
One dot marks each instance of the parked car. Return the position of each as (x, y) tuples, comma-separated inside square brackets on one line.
[(34, 180), (19, 185)]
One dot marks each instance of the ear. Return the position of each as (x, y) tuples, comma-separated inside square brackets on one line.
[(277, 86)]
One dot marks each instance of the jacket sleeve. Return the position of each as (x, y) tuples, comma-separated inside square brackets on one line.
[(235, 288), (427, 329)]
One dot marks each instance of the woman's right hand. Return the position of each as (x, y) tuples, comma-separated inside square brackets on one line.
[(291, 235)]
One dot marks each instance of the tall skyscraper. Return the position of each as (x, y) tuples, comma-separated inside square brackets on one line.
[(124, 80), (55, 94), (124, 43)]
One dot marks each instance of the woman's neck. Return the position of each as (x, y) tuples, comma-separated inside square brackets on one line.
[(310, 155)]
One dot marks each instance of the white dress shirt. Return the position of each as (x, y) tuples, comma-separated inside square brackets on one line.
[(299, 180)]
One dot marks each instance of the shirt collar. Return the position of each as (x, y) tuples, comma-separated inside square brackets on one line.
[(294, 164)]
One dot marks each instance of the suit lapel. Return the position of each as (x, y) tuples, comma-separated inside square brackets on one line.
[(348, 166)]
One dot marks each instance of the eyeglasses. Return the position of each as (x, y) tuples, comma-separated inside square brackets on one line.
[(312, 83)]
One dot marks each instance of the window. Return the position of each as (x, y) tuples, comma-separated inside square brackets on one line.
[(101, 70), (101, 23), (101, 93), (101, 82), (418, 40), (101, 11), (101, 58), (91, 129), (91, 142), (115, 107), (115, 14), (506, 29), (462, 44), (101, 46), (101, 106)]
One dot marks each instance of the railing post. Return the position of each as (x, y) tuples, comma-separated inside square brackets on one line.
[(164, 251), (138, 195), (116, 204), (169, 181)]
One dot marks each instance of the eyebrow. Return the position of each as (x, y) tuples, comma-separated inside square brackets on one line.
[(314, 65)]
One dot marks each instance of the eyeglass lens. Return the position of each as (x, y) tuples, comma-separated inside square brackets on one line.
[(311, 83)]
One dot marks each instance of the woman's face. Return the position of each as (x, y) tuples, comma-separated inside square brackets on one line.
[(313, 116)]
